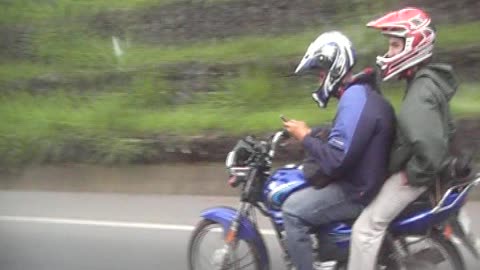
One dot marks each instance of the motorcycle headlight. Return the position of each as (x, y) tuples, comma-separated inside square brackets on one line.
[(241, 153), (235, 166), (238, 160)]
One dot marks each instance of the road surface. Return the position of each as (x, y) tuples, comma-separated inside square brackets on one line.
[(101, 231)]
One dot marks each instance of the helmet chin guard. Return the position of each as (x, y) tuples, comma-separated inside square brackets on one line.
[(319, 98)]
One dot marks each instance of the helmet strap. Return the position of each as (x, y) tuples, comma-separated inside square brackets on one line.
[(409, 73), (338, 94)]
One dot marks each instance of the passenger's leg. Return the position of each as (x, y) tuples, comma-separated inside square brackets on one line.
[(369, 229)]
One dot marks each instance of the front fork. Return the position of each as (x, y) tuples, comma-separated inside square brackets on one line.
[(231, 239)]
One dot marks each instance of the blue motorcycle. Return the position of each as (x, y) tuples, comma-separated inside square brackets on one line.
[(421, 237)]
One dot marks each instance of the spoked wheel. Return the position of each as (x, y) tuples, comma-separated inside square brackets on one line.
[(207, 250), (434, 252)]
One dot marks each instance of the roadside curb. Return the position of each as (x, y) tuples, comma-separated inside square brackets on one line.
[(205, 179)]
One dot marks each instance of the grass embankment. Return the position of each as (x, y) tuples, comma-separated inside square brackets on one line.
[(27, 11), (74, 50), (35, 128), (39, 128)]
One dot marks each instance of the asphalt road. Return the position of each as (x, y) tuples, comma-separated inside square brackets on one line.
[(70, 231)]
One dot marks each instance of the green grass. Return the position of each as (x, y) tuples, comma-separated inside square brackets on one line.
[(15, 11), (36, 128), (104, 123), (116, 113), (280, 46), (467, 100), (23, 71), (458, 35), (74, 48)]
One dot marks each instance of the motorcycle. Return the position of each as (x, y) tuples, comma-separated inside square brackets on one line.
[(421, 237)]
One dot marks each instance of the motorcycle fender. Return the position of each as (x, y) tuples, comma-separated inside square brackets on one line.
[(224, 215), (460, 226)]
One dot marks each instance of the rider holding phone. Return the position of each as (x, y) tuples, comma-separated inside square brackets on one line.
[(352, 159)]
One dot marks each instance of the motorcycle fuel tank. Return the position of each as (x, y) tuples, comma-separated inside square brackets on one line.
[(281, 184)]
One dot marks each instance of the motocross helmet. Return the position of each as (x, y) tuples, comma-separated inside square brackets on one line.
[(333, 54), (414, 26)]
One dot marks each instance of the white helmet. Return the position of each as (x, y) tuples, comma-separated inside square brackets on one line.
[(332, 52)]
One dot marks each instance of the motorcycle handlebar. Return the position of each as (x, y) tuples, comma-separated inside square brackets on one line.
[(278, 136)]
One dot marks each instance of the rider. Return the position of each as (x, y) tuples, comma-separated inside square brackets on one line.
[(424, 127), (353, 157)]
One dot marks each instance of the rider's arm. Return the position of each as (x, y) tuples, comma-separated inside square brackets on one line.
[(320, 132), (349, 136), (420, 120)]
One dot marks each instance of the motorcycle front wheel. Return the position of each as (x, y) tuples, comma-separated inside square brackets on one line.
[(206, 250)]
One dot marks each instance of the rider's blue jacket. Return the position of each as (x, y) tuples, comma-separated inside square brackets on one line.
[(356, 153)]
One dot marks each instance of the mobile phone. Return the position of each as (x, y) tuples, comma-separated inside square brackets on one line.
[(284, 119)]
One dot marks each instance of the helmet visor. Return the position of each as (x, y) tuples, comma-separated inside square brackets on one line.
[(317, 62)]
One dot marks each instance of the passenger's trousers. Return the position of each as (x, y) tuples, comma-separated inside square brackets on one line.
[(369, 229)]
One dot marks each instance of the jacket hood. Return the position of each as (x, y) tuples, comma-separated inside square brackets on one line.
[(443, 76)]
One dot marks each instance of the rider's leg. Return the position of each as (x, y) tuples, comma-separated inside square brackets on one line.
[(369, 229), (313, 207)]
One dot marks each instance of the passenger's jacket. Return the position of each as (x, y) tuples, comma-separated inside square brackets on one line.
[(356, 151), (424, 125)]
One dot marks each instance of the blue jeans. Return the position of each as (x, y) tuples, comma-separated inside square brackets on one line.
[(313, 207)]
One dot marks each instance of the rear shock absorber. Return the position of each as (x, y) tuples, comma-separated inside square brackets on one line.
[(399, 252)]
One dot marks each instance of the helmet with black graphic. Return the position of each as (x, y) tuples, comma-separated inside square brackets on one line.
[(333, 54)]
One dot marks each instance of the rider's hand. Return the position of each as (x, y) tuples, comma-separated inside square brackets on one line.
[(404, 178), (298, 129)]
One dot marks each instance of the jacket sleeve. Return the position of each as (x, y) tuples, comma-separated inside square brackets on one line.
[(347, 139), (320, 132), (421, 122)]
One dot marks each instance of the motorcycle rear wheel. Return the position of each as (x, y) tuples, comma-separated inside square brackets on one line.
[(441, 254), (244, 256)]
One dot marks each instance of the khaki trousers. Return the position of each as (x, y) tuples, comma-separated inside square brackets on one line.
[(369, 229)]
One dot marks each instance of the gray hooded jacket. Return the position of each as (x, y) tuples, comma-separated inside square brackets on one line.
[(424, 125)]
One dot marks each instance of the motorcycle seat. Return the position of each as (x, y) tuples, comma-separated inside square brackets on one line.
[(421, 204)]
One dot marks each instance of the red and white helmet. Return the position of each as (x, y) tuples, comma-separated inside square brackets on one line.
[(412, 24)]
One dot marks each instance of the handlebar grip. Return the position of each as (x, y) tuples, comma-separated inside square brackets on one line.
[(285, 134)]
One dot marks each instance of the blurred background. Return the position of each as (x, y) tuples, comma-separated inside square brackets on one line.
[(149, 81), (113, 113)]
